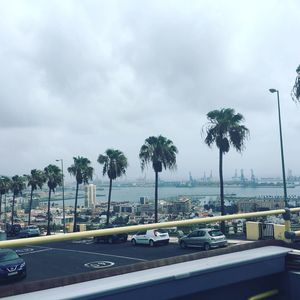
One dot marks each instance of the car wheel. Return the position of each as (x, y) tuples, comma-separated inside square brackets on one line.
[(133, 242), (182, 245), (206, 246), (96, 240), (151, 243), (167, 242), (110, 240)]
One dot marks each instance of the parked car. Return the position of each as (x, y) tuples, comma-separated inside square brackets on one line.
[(205, 238), (11, 265), (29, 231), (13, 230), (112, 238), (150, 237)]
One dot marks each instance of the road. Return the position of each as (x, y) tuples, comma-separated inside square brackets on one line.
[(71, 257)]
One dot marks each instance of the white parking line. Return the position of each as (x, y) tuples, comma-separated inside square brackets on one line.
[(87, 252), (35, 251)]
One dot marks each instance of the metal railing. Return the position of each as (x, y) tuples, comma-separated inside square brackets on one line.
[(128, 229)]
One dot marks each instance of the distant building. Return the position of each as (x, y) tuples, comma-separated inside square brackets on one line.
[(90, 196), (249, 205), (182, 205), (123, 209), (145, 208), (143, 200), (58, 220)]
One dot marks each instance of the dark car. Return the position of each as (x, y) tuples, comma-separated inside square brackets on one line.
[(13, 230), (11, 265), (113, 238)]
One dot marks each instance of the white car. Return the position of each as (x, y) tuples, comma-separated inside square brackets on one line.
[(151, 237), (29, 231)]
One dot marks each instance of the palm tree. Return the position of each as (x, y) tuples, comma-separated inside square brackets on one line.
[(17, 185), (296, 88), (5, 183), (54, 178), (161, 152), (35, 180), (224, 129), (83, 172), (114, 165)]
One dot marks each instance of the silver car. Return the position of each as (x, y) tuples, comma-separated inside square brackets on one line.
[(205, 238)]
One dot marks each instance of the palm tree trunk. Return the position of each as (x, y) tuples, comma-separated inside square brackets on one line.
[(30, 204), (48, 226), (108, 204), (12, 211), (156, 197), (75, 208), (5, 209), (221, 189)]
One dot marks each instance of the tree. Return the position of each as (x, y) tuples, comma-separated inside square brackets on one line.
[(35, 180), (53, 178), (296, 88), (83, 172), (161, 152), (224, 129), (5, 184), (17, 185), (114, 165)]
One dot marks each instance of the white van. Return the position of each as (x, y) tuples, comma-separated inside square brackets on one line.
[(151, 237)]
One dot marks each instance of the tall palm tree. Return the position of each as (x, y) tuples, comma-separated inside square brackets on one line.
[(114, 165), (17, 185), (35, 180), (224, 129), (296, 88), (83, 172), (5, 183), (53, 178), (161, 152)]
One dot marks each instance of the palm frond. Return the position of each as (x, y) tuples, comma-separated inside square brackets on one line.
[(159, 151), (114, 163), (295, 93), (223, 128)]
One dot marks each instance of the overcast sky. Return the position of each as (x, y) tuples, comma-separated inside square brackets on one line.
[(78, 77)]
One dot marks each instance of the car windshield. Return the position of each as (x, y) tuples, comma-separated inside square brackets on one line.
[(215, 233), (7, 255), (31, 227)]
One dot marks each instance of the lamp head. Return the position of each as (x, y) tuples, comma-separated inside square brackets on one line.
[(272, 90)]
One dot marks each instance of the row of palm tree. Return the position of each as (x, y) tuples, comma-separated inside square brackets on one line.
[(224, 129)]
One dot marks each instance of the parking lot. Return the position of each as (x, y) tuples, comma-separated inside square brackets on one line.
[(78, 256)]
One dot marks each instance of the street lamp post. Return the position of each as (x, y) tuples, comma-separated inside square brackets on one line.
[(63, 192), (281, 147)]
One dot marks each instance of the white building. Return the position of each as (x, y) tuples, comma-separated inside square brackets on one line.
[(90, 196)]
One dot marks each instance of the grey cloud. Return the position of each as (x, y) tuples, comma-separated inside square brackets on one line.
[(78, 77)]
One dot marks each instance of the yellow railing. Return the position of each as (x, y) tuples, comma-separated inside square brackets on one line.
[(135, 228)]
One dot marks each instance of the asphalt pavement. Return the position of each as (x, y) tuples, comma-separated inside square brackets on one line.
[(80, 256)]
